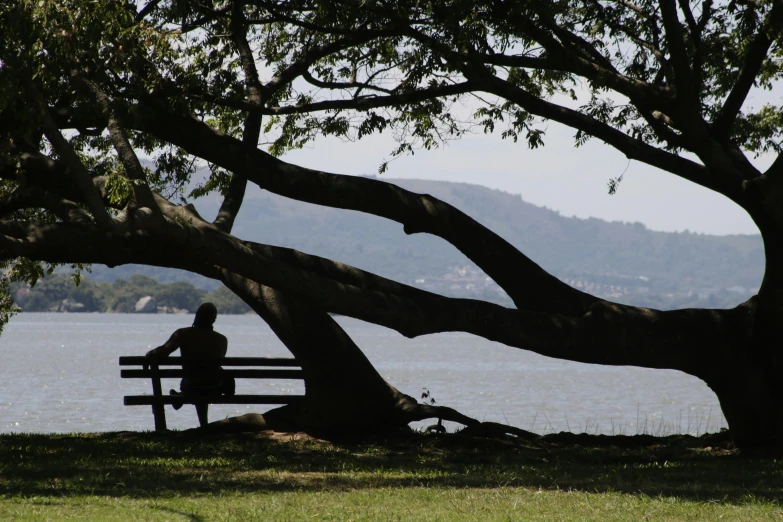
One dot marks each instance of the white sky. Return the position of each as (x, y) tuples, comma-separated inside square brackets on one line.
[(570, 180)]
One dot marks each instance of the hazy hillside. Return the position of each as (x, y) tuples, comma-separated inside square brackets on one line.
[(623, 261)]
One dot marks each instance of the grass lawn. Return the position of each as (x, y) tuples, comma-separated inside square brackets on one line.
[(186, 476)]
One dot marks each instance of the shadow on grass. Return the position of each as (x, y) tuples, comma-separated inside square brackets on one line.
[(160, 465), (187, 516)]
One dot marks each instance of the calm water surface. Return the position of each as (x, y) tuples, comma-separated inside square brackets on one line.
[(59, 373)]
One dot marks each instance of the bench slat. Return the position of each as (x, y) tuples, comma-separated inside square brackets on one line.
[(237, 374), (140, 360), (147, 400)]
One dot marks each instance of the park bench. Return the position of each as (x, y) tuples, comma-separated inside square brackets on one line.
[(249, 368)]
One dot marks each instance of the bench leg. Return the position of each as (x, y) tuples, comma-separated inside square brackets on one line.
[(160, 417), (157, 408), (201, 411)]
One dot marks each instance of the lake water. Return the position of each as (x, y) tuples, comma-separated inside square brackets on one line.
[(60, 373)]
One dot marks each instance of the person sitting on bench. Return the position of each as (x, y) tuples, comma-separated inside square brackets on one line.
[(200, 340)]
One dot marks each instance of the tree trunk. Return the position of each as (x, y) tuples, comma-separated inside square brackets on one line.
[(751, 397), (343, 391), (749, 384)]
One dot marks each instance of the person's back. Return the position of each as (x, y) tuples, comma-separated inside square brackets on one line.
[(203, 344), (199, 341)]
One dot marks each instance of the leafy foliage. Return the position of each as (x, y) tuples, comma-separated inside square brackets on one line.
[(663, 82), (389, 50), (352, 69)]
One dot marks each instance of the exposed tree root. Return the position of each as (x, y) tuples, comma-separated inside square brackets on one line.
[(295, 419), (416, 412)]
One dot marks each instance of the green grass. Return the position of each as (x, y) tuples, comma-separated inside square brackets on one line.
[(185, 476)]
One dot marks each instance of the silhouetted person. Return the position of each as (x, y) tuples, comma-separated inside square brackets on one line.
[(201, 341)]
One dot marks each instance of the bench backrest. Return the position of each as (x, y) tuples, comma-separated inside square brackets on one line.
[(264, 367)]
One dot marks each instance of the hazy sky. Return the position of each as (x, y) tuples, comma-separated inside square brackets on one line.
[(559, 176)]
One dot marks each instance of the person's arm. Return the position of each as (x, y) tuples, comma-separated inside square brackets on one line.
[(223, 346), (166, 348)]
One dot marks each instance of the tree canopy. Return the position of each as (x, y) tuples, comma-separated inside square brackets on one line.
[(87, 86)]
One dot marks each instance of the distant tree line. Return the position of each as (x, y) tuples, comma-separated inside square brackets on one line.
[(59, 293)]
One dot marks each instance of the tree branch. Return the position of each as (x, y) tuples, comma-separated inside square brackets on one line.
[(598, 69), (314, 54), (44, 173), (706, 14), (663, 127), (125, 152), (776, 169), (632, 148), (630, 5), (646, 96), (359, 104), (232, 201), (693, 27), (51, 177), (578, 44), (606, 334), (152, 4), (78, 170), (602, 73), (678, 52), (746, 77), (418, 213), (528, 62), (342, 85), (33, 197)]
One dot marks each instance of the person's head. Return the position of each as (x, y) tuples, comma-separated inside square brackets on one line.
[(205, 315)]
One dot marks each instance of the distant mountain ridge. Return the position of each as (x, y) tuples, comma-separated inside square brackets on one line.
[(623, 261)]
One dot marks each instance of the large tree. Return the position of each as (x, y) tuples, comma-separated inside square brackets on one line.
[(87, 85)]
